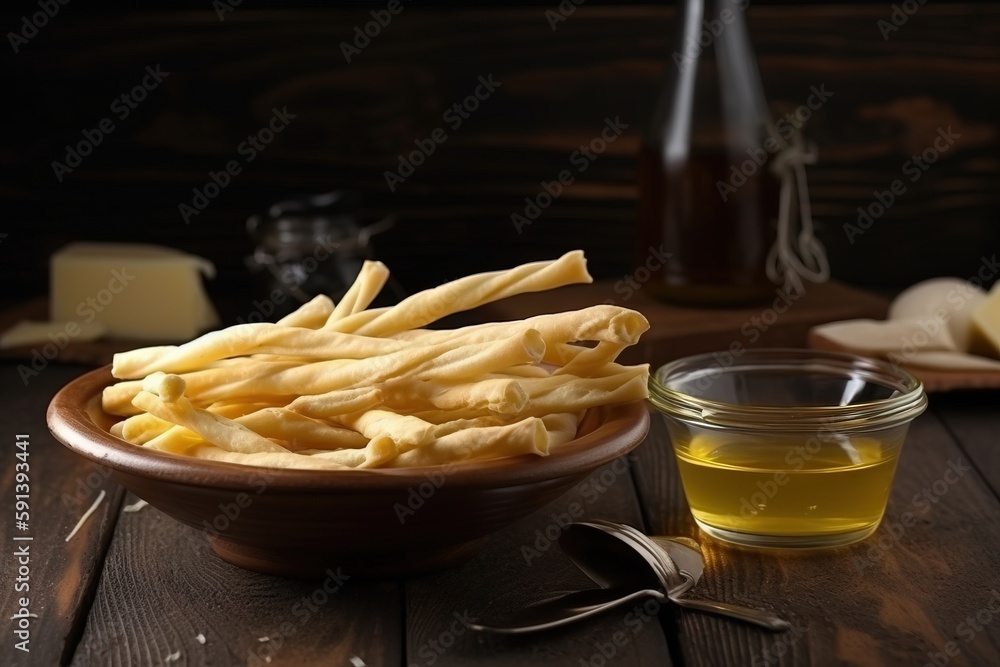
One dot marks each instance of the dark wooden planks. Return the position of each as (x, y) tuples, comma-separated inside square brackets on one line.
[(521, 565), (890, 97), (898, 598), (162, 587), (971, 417), (63, 574)]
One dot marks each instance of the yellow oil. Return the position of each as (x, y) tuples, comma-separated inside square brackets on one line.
[(787, 487)]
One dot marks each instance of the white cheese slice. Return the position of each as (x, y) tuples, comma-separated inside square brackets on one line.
[(28, 333), (877, 338), (948, 301), (136, 291)]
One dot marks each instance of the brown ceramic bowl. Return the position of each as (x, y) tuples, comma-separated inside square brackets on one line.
[(370, 522)]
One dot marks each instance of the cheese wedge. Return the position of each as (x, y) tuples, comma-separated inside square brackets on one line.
[(136, 291), (27, 333)]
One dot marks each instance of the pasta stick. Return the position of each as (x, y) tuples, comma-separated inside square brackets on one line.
[(474, 361), (474, 422), (600, 323), (337, 402), (466, 293), (117, 399), (370, 281), (299, 432), (292, 431), (176, 440), (222, 432), (562, 427), (310, 315), (522, 371), (502, 395), (389, 434), (401, 429), (527, 436), (236, 409), (590, 358), (562, 393), (247, 339), (438, 362), (140, 429), (577, 394), (325, 461)]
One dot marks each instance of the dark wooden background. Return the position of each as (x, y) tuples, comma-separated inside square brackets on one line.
[(940, 68)]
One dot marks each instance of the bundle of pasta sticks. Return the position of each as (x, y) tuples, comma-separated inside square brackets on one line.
[(342, 386)]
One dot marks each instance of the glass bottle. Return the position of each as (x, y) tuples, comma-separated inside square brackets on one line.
[(707, 198)]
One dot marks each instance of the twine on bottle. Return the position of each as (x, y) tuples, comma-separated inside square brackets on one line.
[(789, 263)]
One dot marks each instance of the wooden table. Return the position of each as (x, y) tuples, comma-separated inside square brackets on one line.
[(139, 588)]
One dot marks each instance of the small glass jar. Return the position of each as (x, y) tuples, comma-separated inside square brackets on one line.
[(783, 447), (309, 245)]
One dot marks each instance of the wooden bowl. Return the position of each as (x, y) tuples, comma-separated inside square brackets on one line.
[(378, 523)]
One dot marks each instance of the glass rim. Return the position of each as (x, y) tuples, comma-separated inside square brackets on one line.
[(907, 403)]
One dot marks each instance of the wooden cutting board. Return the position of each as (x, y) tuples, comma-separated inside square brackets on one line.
[(94, 353), (933, 379), (678, 331)]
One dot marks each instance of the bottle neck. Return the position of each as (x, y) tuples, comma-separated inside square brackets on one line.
[(712, 95)]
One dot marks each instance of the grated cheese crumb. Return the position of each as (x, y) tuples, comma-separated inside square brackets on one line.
[(173, 657), (358, 662), (86, 515), (200, 638), (136, 506)]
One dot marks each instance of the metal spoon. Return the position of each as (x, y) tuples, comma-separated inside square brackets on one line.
[(667, 571), (607, 559), (626, 574)]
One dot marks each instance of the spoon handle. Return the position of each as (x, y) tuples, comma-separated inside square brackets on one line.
[(756, 616), (563, 610)]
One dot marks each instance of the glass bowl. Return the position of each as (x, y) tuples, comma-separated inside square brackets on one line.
[(785, 447)]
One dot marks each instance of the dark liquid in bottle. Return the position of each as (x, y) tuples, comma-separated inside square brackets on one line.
[(718, 239)]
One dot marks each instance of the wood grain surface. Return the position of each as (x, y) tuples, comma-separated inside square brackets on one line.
[(898, 598), (967, 416), (524, 565), (63, 575), (162, 588), (91, 353), (890, 98)]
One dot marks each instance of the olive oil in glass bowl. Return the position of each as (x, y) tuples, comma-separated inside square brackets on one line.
[(787, 448)]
